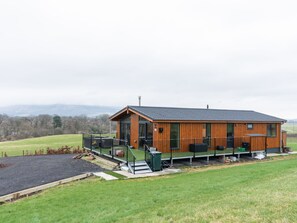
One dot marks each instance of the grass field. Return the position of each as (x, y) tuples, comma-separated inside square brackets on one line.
[(15, 148), (290, 127), (292, 143), (259, 192)]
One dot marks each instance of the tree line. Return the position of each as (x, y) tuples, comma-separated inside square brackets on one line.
[(13, 128)]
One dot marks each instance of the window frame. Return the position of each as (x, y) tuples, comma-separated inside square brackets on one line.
[(248, 126), (177, 139), (270, 130), (207, 138)]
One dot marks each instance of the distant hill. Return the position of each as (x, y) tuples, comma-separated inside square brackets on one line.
[(59, 109)]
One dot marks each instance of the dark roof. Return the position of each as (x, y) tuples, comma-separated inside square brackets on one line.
[(198, 114)]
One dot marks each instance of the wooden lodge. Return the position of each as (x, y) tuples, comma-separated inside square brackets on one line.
[(178, 129)]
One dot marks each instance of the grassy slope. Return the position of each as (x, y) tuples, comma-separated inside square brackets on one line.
[(15, 148), (261, 192)]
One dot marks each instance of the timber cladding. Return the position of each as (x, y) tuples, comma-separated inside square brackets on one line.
[(194, 132), (161, 140), (118, 129), (240, 130), (190, 133), (247, 127), (134, 130)]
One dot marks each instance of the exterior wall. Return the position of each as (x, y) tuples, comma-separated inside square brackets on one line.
[(258, 143), (274, 142), (219, 135), (162, 140), (194, 132), (118, 129), (134, 130), (190, 133)]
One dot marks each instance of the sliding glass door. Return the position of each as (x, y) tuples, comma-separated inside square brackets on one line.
[(145, 133), (125, 130)]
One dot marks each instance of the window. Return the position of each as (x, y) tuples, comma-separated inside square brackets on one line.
[(208, 130), (174, 136), (230, 130), (125, 125), (271, 130), (207, 138), (250, 126), (230, 135)]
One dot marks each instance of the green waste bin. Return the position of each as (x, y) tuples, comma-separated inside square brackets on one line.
[(155, 163)]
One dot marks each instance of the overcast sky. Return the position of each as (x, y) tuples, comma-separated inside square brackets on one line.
[(228, 54)]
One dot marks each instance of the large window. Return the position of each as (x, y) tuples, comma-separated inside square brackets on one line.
[(174, 136), (145, 133), (207, 138), (125, 132), (271, 130), (125, 125), (230, 135), (230, 130)]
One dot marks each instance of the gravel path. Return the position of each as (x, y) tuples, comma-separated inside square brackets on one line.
[(25, 172)]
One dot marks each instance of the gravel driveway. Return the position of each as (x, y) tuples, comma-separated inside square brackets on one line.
[(29, 171)]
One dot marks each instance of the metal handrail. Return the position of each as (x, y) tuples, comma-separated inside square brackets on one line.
[(147, 159), (129, 150)]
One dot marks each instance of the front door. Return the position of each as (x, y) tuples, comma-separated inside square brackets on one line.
[(230, 135)]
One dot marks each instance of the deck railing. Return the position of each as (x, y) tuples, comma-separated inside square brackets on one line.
[(174, 149), (131, 159)]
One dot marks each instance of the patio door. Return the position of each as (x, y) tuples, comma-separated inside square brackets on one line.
[(145, 133), (230, 135), (125, 132)]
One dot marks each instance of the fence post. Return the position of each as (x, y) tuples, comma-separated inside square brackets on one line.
[(112, 154), (194, 148), (215, 147), (83, 140), (171, 156), (91, 141), (250, 145), (144, 152), (233, 145), (127, 157), (133, 165), (266, 146)]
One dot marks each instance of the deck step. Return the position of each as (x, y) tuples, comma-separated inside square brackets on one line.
[(139, 167), (143, 171), (137, 163)]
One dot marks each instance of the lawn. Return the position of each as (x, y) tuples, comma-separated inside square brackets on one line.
[(15, 148), (292, 143), (259, 192)]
